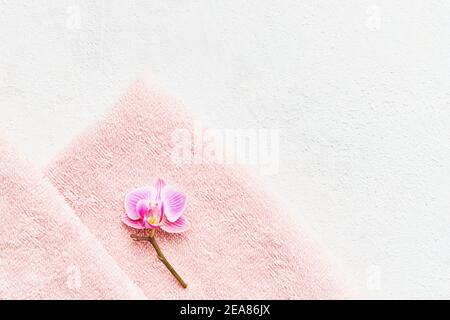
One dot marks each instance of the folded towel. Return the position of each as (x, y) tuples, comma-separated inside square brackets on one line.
[(46, 252), (243, 244)]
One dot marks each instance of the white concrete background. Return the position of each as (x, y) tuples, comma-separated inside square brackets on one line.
[(359, 90)]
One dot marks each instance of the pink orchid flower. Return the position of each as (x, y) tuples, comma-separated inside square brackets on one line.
[(159, 206)]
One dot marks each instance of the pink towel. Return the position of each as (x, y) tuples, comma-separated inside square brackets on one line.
[(243, 244), (46, 252)]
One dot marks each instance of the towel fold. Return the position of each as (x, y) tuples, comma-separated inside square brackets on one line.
[(46, 251), (243, 244)]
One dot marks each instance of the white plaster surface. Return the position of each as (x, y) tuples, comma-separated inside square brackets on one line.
[(358, 89)]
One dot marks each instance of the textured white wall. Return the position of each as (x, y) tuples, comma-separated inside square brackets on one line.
[(358, 89)]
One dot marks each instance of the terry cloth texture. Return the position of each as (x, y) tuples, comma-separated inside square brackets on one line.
[(46, 251), (243, 243)]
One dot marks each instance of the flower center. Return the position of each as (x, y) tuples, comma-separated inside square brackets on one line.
[(154, 217), (153, 220)]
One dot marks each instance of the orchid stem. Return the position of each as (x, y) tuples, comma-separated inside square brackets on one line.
[(151, 238)]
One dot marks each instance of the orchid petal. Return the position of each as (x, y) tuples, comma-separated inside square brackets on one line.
[(142, 208), (174, 202), (159, 184), (132, 199), (136, 224), (178, 226)]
